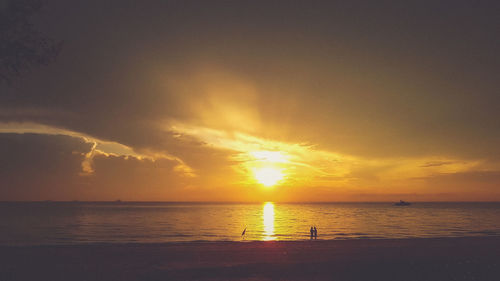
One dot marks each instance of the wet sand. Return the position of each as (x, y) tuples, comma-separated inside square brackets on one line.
[(402, 259)]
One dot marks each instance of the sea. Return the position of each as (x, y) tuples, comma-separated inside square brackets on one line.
[(57, 223)]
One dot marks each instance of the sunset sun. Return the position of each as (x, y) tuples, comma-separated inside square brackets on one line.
[(268, 176)]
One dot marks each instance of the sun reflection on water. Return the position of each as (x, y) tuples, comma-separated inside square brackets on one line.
[(268, 221)]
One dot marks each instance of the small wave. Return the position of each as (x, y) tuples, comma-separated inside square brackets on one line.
[(485, 232)]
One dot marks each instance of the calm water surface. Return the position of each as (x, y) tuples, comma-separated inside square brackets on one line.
[(68, 223)]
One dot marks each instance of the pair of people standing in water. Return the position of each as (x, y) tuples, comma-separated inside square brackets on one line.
[(314, 233)]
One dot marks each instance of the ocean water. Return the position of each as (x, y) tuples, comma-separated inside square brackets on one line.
[(48, 223)]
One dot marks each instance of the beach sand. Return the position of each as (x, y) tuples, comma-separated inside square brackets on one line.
[(401, 259)]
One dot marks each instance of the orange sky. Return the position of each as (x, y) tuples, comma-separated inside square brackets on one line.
[(231, 102)]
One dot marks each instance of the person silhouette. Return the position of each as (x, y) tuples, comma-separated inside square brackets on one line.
[(312, 232), (315, 233), (244, 231)]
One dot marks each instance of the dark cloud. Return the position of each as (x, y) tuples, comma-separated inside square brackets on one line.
[(35, 167), (42, 167), (436, 164), (474, 178)]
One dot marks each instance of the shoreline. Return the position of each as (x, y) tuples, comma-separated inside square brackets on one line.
[(305, 240), (462, 258)]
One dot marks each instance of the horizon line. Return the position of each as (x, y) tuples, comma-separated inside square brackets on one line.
[(227, 202)]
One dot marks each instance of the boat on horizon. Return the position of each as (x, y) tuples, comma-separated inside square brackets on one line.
[(402, 203)]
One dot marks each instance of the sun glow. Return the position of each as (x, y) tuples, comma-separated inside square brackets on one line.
[(268, 176), (268, 166), (269, 156)]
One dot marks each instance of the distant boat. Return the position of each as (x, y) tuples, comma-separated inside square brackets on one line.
[(402, 203)]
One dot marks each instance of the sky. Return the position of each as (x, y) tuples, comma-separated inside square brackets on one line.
[(249, 101)]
